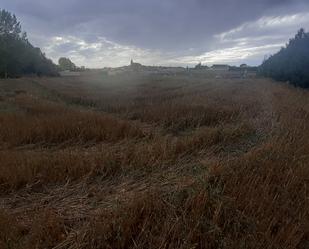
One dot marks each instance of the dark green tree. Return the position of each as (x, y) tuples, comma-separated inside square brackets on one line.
[(66, 64), (291, 63), (9, 24), (17, 55)]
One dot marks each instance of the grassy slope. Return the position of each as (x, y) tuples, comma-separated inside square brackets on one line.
[(157, 162)]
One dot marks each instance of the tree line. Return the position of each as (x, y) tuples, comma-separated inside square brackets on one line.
[(17, 55), (291, 63)]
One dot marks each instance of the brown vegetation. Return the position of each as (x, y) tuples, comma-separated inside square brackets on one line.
[(156, 162)]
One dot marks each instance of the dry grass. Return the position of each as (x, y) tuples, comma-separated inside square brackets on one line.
[(48, 125), (157, 162)]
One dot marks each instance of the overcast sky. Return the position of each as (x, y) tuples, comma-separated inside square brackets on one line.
[(99, 33)]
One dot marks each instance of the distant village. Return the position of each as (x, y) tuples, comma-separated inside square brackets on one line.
[(216, 70)]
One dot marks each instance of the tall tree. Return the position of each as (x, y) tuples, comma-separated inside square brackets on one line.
[(291, 63), (9, 24), (66, 64), (17, 55)]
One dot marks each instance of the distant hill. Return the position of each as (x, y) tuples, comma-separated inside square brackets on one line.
[(291, 63), (17, 55)]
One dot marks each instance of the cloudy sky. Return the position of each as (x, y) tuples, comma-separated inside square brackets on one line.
[(99, 33)]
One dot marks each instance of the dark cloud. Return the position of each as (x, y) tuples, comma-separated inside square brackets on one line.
[(180, 27)]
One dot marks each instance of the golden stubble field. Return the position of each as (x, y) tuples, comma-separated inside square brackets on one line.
[(153, 162)]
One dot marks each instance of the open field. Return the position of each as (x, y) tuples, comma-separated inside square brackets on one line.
[(153, 162)]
